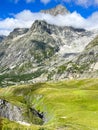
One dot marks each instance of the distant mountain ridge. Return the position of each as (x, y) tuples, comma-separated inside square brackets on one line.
[(58, 10)]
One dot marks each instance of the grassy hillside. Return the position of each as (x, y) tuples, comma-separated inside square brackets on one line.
[(67, 105)]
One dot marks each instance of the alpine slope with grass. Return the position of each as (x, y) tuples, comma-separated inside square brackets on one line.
[(63, 105), (49, 77)]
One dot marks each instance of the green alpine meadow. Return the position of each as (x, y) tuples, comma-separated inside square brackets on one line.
[(66, 105)]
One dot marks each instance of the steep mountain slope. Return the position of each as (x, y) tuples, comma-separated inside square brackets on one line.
[(16, 34)]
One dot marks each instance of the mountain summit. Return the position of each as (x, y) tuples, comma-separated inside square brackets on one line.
[(59, 9)]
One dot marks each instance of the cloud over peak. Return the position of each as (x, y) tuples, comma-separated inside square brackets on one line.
[(26, 18)]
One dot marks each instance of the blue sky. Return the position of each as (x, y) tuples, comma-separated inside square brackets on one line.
[(16, 13), (8, 7)]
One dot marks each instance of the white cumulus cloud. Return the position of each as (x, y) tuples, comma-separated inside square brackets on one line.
[(84, 3), (26, 18)]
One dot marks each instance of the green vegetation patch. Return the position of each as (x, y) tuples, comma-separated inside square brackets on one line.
[(61, 69), (8, 79)]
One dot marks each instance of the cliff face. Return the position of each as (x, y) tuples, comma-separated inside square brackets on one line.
[(7, 110), (89, 59), (15, 34)]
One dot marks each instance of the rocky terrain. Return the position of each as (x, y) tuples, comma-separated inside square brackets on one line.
[(45, 52)]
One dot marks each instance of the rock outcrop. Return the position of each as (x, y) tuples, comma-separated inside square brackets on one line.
[(11, 112), (18, 114)]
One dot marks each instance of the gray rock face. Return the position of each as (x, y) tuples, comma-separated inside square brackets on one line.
[(9, 111), (18, 114), (15, 34), (86, 63), (89, 57), (59, 9)]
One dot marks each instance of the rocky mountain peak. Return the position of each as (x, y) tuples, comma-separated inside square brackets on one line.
[(59, 9), (39, 23), (40, 26)]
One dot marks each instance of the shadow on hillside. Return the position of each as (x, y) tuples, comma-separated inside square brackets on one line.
[(27, 89)]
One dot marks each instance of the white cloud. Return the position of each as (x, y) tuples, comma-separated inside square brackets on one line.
[(26, 18), (4, 32), (45, 1), (84, 3), (96, 2), (29, 1)]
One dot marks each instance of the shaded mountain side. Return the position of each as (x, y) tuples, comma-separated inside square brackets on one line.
[(2, 37), (15, 34)]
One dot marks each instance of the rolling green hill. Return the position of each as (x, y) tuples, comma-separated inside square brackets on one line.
[(66, 105)]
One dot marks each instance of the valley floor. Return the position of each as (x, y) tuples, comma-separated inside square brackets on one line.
[(66, 105)]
